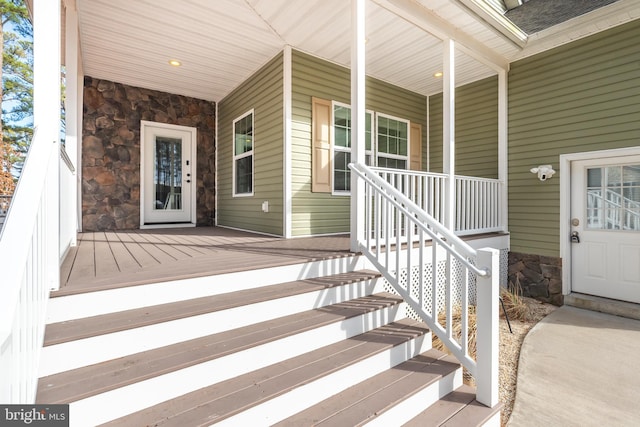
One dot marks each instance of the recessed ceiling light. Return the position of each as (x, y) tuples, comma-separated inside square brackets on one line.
[(175, 62), (437, 74)]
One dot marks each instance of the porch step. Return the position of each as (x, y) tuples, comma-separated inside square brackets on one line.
[(603, 305), (387, 398), (115, 335), (262, 396), (457, 409), (332, 347), (87, 381), (72, 330)]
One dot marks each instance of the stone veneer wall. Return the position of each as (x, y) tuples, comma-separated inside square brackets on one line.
[(537, 276), (111, 150)]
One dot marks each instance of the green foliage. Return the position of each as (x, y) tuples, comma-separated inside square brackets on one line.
[(16, 96)]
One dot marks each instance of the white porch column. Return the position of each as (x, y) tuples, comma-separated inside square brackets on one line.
[(73, 109), (503, 161), (357, 118), (46, 113), (448, 130)]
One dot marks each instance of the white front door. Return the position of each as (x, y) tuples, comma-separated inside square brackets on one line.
[(605, 227), (168, 171)]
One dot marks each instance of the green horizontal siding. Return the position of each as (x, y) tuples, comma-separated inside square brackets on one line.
[(263, 92), (583, 96), (476, 129), (322, 213)]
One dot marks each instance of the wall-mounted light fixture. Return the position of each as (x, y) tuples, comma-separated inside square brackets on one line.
[(544, 172)]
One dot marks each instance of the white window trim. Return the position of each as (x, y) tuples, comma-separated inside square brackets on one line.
[(390, 155), (335, 148), (243, 155)]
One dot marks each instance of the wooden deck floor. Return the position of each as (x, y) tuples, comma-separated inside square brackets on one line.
[(104, 260)]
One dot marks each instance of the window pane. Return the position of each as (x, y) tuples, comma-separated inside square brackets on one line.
[(244, 172), (243, 134), (594, 177), (168, 173), (403, 147), (614, 176), (613, 198), (367, 131), (341, 172), (631, 175), (392, 136), (340, 135), (595, 205)]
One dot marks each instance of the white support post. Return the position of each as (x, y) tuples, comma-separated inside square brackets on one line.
[(73, 132), (503, 162), (448, 131), (357, 118), (287, 167), (487, 341), (46, 114)]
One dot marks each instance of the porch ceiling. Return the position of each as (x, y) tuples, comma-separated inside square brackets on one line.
[(221, 43)]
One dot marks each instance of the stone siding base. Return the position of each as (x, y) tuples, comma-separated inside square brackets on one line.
[(536, 276)]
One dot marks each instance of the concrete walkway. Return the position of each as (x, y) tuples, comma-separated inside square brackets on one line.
[(579, 368)]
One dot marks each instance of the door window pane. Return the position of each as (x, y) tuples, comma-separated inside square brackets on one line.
[(613, 198), (167, 174)]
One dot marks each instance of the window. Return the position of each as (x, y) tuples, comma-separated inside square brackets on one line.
[(392, 142), (342, 146), (613, 198), (243, 155), (387, 146)]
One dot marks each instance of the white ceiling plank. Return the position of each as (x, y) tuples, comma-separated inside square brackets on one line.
[(222, 42)]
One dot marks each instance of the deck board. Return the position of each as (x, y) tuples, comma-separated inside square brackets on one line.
[(83, 264), (106, 260), (156, 247), (124, 258), (141, 256)]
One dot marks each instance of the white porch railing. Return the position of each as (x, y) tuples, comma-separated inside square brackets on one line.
[(30, 260), (477, 199), (397, 231)]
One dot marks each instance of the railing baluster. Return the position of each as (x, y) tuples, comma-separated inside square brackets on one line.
[(393, 212)]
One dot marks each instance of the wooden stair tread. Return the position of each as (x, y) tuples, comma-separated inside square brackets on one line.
[(83, 382), (358, 404), (457, 409), (71, 330), (227, 398)]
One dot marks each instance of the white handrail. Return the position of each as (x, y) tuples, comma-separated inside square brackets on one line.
[(29, 262), (395, 243)]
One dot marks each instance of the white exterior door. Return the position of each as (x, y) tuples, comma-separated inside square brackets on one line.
[(168, 170), (605, 227)]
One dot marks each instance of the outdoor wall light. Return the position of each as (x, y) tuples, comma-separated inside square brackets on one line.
[(544, 172)]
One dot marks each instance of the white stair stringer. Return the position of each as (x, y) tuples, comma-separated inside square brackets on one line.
[(150, 392), (88, 351)]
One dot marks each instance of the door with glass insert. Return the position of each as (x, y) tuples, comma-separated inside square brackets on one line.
[(605, 228), (168, 180)]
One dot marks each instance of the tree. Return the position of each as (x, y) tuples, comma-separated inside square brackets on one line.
[(16, 91)]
